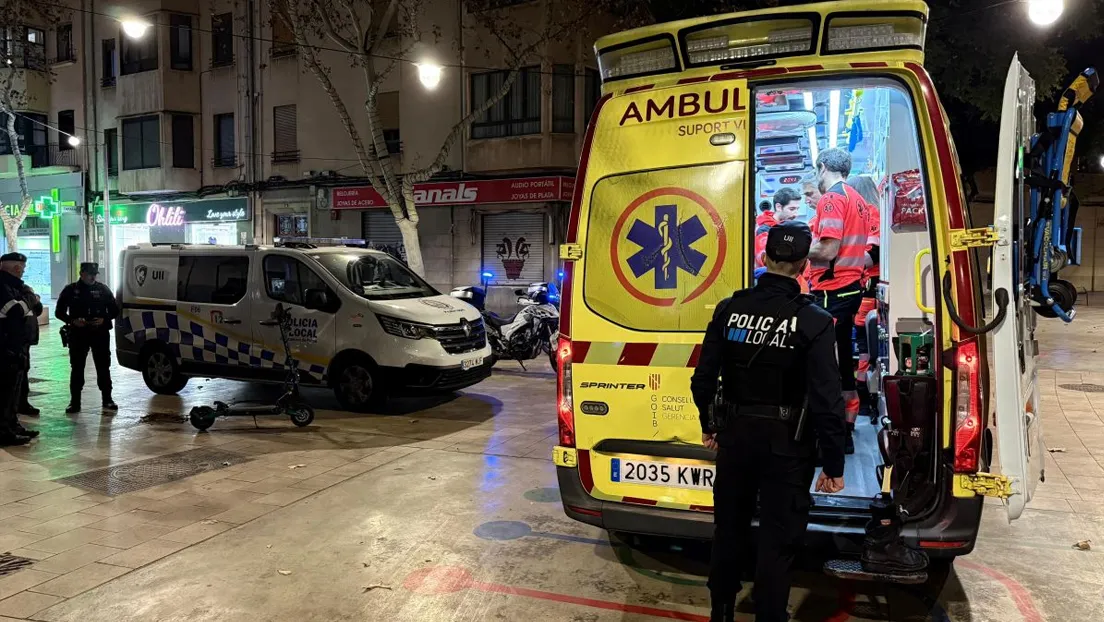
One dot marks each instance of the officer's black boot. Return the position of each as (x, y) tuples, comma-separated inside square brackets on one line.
[(73, 408), (108, 403), (723, 611), (884, 551)]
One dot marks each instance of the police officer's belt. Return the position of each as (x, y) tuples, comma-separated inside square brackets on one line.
[(762, 411)]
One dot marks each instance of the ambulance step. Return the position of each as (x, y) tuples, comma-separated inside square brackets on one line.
[(852, 569)]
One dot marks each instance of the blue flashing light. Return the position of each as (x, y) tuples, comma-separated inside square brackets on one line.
[(488, 275), (560, 274)]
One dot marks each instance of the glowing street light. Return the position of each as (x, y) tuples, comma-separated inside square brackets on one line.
[(74, 141), (1102, 161), (429, 74), (1044, 12), (135, 28)]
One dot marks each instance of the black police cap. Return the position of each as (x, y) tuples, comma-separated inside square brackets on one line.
[(90, 267), (789, 241), (14, 257)]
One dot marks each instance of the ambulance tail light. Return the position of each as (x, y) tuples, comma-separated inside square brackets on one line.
[(968, 417), (565, 405)]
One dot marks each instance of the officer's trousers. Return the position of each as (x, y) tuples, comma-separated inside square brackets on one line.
[(80, 343), (780, 474), (11, 380)]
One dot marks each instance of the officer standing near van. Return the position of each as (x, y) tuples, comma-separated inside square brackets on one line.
[(773, 352), (88, 308), (14, 341)]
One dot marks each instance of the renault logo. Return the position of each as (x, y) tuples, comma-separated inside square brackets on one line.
[(466, 327)]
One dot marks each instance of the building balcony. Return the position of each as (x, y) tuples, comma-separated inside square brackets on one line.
[(38, 159)]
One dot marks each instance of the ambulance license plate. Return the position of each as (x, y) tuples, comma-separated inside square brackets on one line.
[(467, 364), (693, 476)]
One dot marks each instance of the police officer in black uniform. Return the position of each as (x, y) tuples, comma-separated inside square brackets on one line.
[(14, 341), (88, 309), (774, 355)]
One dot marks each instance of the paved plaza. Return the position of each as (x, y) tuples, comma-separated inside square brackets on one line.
[(447, 509)]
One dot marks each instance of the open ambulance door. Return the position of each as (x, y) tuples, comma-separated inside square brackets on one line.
[(1018, 427)]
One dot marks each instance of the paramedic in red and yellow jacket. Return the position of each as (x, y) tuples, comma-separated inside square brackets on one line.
[(838, 259)]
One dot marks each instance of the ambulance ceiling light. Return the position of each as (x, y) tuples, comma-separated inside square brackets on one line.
[(808, 97), (779, 42), (814, 148), (833, 117), (647, 61), (876, 36)]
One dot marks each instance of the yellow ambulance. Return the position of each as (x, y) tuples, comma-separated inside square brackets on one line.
[(702, 121)]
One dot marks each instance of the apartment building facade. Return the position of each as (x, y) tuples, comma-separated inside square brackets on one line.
[(209, 129)]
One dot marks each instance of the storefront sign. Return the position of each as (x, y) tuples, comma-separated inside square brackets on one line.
[(479, 192), (179, 213)]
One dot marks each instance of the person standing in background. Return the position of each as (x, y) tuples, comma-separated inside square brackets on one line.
[(88, 308), (787, 203), (838, 259), (866, 188), (34, 303)]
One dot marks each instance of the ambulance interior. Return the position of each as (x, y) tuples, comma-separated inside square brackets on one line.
[(875, 120)]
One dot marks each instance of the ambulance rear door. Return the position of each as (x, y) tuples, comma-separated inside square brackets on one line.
[(1018, 426)]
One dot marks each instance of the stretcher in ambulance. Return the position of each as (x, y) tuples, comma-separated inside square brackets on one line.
[(702, 120)]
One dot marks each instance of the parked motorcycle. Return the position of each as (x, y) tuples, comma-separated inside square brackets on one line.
[(533, 330)]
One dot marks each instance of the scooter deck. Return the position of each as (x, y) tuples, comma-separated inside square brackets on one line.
[(852, 569)]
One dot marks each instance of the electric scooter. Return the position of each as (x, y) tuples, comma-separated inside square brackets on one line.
[(289, 404)]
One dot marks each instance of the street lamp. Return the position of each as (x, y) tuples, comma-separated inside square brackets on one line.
[(1102, 161), (429, 74), (135, 28), (1044, 12), (74, 141)]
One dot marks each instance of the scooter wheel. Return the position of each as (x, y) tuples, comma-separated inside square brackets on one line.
[(1064, 294), (202, 417), (301, 415)]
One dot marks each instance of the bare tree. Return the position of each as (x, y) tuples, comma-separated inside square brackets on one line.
[(359, 29), (23, 62)]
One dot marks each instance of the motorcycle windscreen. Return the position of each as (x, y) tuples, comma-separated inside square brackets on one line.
[(1020, 450)]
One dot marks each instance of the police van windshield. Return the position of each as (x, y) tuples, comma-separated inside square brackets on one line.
[(375, 277)]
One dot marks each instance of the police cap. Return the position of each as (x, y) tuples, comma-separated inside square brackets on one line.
[(789, 241), (89, 267), (14, 257)]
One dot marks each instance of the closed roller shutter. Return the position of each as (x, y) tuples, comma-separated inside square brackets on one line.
[(513, 247), (378, 228)]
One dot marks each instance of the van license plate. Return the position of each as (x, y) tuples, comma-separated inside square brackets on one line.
[(650, 472), (470, 363)]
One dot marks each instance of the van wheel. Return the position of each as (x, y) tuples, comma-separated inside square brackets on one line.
[(161, 372), (356, 386)]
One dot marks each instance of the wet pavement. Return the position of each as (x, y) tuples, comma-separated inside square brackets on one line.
[(447, 509)]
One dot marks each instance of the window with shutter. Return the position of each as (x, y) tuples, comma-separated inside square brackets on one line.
[(224, 140), (222, 40), (563, 99), (141, 143), (109, 66), (183, 141), (379, 230), (285, 143), (516, 114)]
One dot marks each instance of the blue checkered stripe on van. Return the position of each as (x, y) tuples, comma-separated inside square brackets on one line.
[(196, 342)]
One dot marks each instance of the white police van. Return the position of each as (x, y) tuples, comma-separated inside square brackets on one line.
[(363, 323)]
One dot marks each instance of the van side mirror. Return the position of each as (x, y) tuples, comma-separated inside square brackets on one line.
[(316, 299)]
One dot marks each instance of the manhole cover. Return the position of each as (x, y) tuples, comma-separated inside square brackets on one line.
[(163, 418), (10, 563), (1086, 388), (144, 474)]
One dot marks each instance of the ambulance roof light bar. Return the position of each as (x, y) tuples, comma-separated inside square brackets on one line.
[(889, 32), (746, 40)]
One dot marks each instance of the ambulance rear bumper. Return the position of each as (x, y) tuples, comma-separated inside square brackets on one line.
[(950, 532)]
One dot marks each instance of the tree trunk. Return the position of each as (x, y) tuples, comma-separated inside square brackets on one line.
[(409, 228), (12, 222)]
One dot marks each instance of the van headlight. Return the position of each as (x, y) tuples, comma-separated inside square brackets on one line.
[(407, 330)]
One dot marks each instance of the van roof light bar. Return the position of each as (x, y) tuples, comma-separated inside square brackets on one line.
[(309, 242)]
